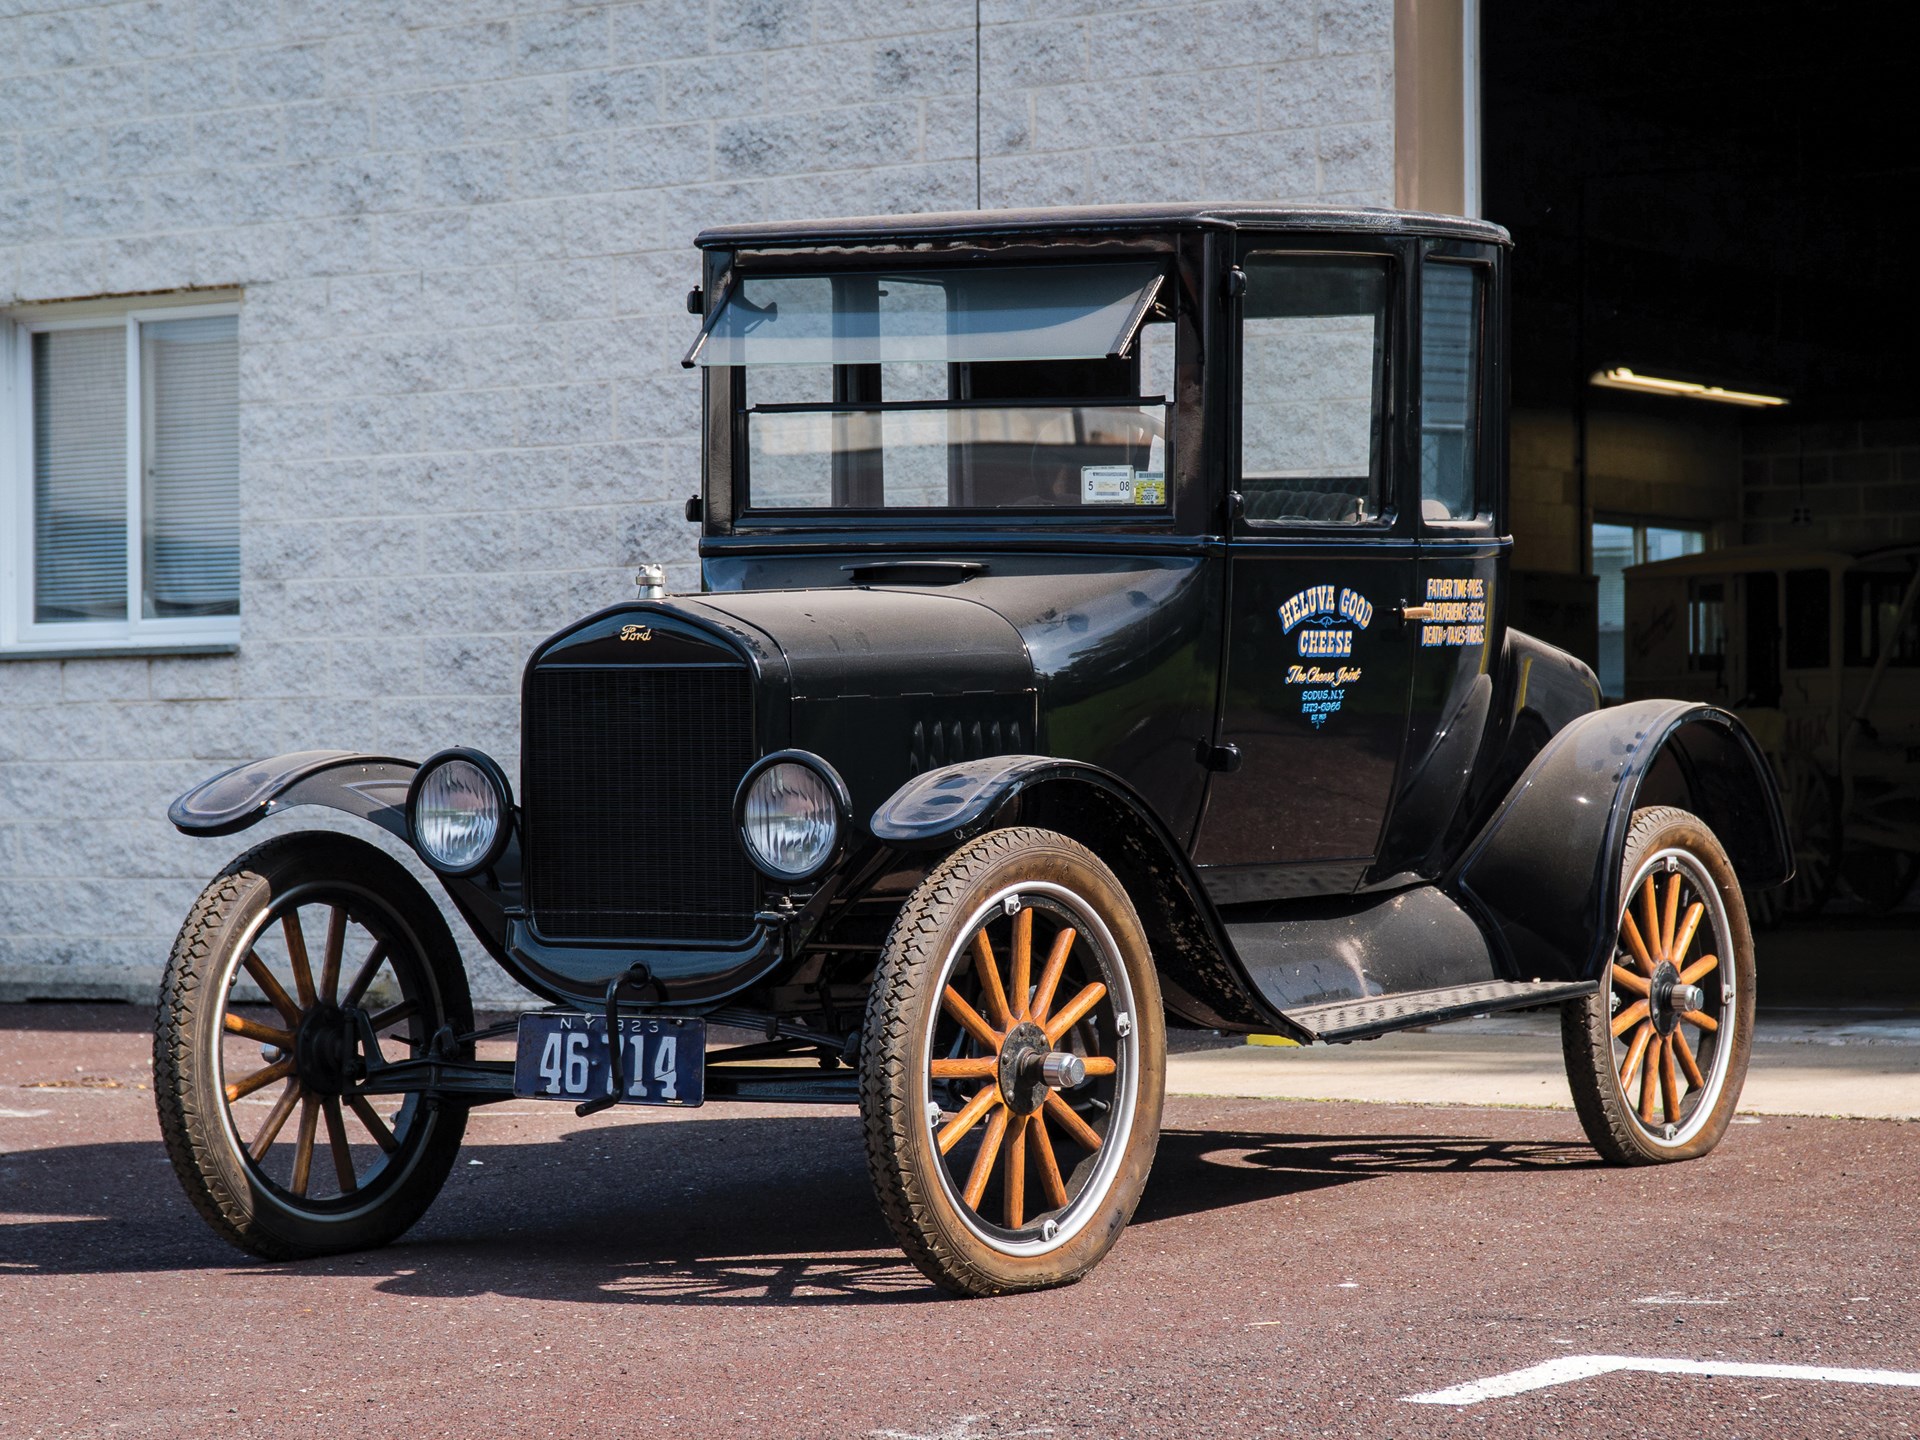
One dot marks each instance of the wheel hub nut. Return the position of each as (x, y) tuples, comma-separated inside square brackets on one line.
[(1022, 1070), (1668, 999), (1063, 1071)]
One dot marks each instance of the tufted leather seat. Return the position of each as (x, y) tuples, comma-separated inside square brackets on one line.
[(1340, 501)]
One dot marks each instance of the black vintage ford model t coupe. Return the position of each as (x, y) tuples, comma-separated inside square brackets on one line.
[(1102, 628)]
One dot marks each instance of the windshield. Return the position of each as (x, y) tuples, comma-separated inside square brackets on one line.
[(1018, 387)]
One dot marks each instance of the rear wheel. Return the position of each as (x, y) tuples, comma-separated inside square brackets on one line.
[(1657, 1056), (1013, 1065), (258, 1098)]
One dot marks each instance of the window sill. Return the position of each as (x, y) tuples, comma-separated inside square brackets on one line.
[(144, 649)]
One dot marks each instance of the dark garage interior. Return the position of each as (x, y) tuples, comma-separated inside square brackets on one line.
[(1720, 198)]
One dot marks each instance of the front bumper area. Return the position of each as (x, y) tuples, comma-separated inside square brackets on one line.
[(682, 976)]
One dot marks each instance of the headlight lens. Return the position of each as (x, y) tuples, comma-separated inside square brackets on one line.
[(459, 812), (790, 820)]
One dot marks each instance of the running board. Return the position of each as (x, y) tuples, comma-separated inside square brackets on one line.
[(1346, 1020)]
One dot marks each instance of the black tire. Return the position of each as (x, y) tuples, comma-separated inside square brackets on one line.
[(1677, 883), (1010, 1233), (353, 1178)]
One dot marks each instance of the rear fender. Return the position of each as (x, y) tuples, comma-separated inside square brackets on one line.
[(1543, 872), (369, 787), (1202, 978)]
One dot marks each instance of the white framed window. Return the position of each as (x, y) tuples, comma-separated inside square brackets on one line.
[(119, 478)]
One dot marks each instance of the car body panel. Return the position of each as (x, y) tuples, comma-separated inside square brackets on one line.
[(1445, 818)]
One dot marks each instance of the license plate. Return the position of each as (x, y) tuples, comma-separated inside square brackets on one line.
[(566, 1057)]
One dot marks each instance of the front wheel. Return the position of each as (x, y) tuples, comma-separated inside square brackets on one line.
[(1657, 1056), (258, 1098), (1013, 1065)]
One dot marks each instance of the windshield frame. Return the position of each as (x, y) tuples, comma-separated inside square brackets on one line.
[(728, 405)]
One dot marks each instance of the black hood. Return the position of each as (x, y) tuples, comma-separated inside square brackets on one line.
[(855, 642)]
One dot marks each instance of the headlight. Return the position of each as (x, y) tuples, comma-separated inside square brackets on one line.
[(459, 810), (791, 809)]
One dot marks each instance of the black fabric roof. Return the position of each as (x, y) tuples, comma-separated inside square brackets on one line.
[(1082, 219)]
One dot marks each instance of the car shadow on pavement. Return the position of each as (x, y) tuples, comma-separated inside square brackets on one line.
[(737, 1211)]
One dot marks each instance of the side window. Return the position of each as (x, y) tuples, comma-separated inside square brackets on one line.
[(1707, 626), (1450, 307), (1313, 369)]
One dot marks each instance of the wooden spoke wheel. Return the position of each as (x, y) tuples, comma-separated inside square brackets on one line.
[(1657, 1057), (1811, 800), (307, 959), (1013, 1065)]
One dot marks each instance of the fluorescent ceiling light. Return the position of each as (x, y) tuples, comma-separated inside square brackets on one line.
[(1621, 378)]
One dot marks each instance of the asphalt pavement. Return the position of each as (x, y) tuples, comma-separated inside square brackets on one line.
[(1297, 1267)]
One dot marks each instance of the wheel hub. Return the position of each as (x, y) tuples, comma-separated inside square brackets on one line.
[(1670, 999), (1029, 1067), (325, 1049), (1022, 1072)]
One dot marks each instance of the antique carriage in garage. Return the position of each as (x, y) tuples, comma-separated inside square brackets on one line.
[(1102, 629), (1818, 651)]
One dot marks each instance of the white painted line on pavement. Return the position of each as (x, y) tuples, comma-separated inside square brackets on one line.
[(1568, 1368)]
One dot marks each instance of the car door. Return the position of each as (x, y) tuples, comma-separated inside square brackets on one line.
[(1315, 673), (1458, 595)]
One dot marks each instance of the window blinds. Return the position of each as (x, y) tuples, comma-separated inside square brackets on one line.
[(190, 427), (80, 474)]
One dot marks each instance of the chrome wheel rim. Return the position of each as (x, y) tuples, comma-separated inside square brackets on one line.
[(1670, 1057), (1027, 1171)]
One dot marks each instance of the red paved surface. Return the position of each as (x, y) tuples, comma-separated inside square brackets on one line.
[(1295, 1269)]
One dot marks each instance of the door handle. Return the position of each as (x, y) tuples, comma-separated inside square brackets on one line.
[(1221, 759), (1408, 612)]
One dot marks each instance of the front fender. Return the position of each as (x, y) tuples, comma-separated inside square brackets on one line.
[(1202, 978), (372, 787), (369, 787), (1543, 873)]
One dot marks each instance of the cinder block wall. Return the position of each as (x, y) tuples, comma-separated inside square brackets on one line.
[(462, 229), (1683, 468), (1846, 483)]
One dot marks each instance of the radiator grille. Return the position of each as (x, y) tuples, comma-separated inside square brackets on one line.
[(629, 774)]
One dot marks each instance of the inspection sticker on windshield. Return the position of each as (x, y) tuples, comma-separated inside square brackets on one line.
[(1122, 485), (1106, 484)]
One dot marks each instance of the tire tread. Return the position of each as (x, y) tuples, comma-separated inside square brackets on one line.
[(195, 1139), (910, 961), (1604, 1115)]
